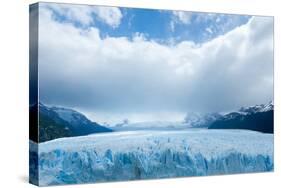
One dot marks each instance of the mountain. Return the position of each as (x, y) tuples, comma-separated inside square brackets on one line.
[(80, 124), (257, 108), (50, 128), (257, 118), (192, 120), (57, 122), (197, 120)]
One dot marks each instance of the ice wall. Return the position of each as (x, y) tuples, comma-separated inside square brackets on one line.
[(146, 155)]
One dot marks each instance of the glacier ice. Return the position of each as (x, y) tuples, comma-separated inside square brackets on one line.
[(134, 155)]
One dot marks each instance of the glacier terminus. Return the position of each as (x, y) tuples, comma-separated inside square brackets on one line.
[(132, 155)]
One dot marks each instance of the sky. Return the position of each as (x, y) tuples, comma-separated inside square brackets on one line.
[(115, 63)]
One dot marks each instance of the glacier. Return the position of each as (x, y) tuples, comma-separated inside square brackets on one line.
[(134, 155)]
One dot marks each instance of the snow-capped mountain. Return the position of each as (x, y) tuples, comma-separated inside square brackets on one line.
[(57, 122), (197, 120), (257, 108), (79, 122), (258, 118), (192, 120), (241, 117)]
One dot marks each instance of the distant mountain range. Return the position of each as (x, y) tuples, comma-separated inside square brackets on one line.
[(192, 120), (198, 120), (257, 118), (58, 122)]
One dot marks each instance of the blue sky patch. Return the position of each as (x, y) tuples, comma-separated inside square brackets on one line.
[(163, 26), (157, 25)]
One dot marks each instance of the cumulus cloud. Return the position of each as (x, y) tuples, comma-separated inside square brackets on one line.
[(84, 14), (79, 69), (110, 15), (218, 24)]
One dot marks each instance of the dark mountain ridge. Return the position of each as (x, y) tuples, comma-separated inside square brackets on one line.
[(257, 118), (57, 122)]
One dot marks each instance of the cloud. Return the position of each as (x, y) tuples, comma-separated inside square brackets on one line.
[(182, 16), (218, 23), (202, 27), (80, 69), (84, 14), (110, 15), (209, 30)]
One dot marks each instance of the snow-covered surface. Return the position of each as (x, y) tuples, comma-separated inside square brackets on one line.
[(73, 117), (257, 108), (198, 120), (65, 114), (193, 120), (154, 125), (153, 154), (69, 115)]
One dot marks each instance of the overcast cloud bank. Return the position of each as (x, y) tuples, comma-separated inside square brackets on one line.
[(125, 77)]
